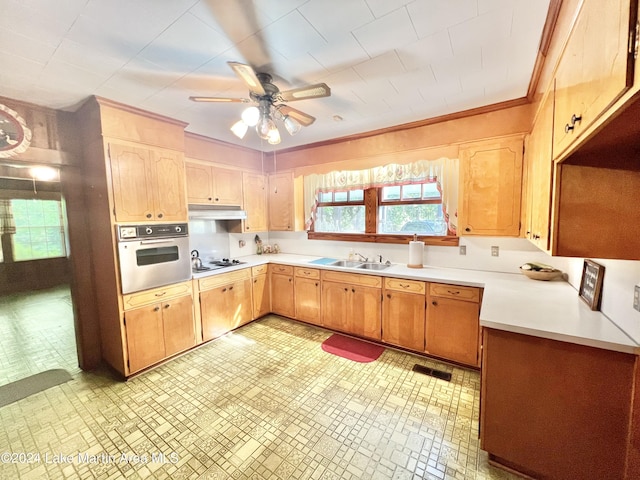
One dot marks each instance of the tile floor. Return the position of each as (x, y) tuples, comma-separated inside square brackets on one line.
[(264, 402)]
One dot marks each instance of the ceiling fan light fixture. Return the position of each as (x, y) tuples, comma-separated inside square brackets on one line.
[(291, 125), (264, 126), (240, 128), (251, 116), (274, 137)]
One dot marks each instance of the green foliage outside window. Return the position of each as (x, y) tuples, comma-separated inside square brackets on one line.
[(39, 229)]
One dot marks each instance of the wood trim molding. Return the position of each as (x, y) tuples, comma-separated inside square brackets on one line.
[(445, 241), (543, 49), (105, 102)]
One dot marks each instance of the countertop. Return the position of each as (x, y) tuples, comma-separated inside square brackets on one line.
[(510, 302)]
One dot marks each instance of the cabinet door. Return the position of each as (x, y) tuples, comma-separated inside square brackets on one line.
[(179, 329), (131, 183), (307, 300), (403, 319), (453, 329), (240, 293), (281, 203), (365, 316), (491, 186), (145, 336), (334, 305), (227, 187), (596, 67), (199, 183), (169, 186), (540, 161), (261, 290), (254, 193), (282, 295), (217, 311)]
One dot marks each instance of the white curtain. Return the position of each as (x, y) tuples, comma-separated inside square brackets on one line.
[(443, 171)]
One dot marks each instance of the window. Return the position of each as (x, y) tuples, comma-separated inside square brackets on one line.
[(340, 211), (411, 209), (394, 211), (39, 229)]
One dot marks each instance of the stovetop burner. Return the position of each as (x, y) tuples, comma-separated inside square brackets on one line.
[(225, 262)]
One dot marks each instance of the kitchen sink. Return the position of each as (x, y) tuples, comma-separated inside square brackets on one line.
[(373, 266), (346, 263)]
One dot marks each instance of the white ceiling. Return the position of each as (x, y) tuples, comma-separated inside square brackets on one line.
[(387, 62)]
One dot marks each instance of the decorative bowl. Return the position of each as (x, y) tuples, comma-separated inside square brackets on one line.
[(542, 275)]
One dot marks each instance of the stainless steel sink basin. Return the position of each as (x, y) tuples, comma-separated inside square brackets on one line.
[(345, 263), (373, 266)]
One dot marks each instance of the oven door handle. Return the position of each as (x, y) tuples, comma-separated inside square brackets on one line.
[(155, 242)]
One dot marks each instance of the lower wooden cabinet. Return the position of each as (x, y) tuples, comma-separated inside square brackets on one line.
[(158, 330), (225, 302), (282, 290), (552, 409), (261, 291), (403, 313), (307, 295), (352, 303), (453, 328)]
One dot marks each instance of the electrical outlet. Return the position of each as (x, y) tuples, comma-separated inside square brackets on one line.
[(463, 249), (495, 251), (636, 298)]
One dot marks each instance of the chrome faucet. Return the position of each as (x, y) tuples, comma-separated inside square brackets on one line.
[(380, 260), (362, 257)]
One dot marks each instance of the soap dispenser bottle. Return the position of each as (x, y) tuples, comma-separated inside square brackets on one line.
[(351, 255)]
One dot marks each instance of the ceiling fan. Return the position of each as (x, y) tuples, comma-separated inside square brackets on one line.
[(271, 104)]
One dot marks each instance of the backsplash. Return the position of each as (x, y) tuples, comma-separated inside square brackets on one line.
[(210, 238)]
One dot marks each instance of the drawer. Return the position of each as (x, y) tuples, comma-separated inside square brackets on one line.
[(470, 294), (307, 272), (402, 285), (281, 269), (259, 269), (147, 297), (352, 278), (223, 279)]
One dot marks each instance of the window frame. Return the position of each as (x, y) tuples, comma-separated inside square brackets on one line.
[(372, 201)]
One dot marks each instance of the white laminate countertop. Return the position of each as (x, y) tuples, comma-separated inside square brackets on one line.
[(510, 302)]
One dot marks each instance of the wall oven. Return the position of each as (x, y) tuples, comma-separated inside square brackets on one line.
[(153, 255)]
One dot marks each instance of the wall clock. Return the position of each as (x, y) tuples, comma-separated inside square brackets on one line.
[(15, 136)]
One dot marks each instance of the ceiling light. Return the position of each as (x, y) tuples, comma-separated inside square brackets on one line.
[(291, 125), (250, 116), (273, 137), (43, 174), (240, 128), (264, 126)]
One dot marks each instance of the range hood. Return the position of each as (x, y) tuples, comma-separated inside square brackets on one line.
[(215, 212)]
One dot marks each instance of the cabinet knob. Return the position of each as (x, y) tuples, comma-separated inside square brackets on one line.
[(434, 303), (468, 229), (160, 215), (568, 128), (224, 289), (148, 215), (217, 199), (231, 288), (346, 289), (167, 305), (290, 280), (210, 199), (353, 290), (316, 284), (575, 118), (388, 295), (156, 309)]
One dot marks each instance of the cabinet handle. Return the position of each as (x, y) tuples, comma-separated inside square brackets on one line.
[(167, 305), (148, 215), (353, 290), (316, 284), (568, 128), (162, 294), (346, 289), (231, 288), (217, 199), (452, 292), (307, 273), (160, 215), (291, 280), (156, 309), (468, 229), (210, 198), (434, 303), (575, 118), (404, 285), (224, 289), (388, 295)]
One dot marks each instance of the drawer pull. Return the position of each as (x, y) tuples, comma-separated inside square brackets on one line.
[(404, 285), (224, 289), (452, 292), (230, 288), (167, 305), (306, 272), (162, 294)]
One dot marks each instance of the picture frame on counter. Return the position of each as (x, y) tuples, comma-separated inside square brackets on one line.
[(591, 284)]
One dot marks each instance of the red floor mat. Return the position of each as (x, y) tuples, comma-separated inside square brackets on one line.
[(352, 349)]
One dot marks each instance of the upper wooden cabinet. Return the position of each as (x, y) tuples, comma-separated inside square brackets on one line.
[(254, 188), (490, 187), (595, 69), (212, 185), (539, 154), (281, 202), (148, 184)]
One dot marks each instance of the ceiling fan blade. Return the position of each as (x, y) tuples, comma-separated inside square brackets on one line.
[(317, 90), (220, 99), (302, 118), (248, 76)]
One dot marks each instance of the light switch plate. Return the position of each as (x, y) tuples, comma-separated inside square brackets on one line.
[(636, 298), (495, 251)]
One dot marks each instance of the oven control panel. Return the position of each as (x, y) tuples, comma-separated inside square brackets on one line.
[(132, 232)]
